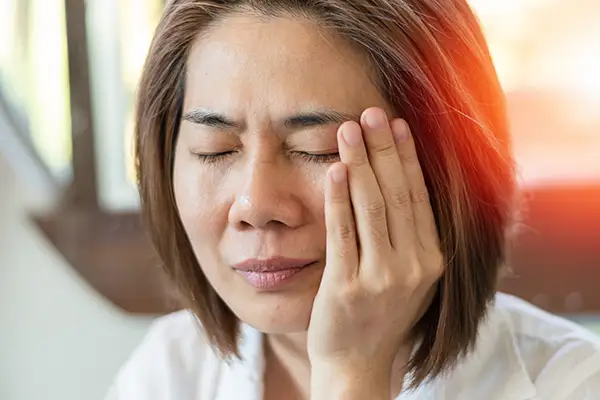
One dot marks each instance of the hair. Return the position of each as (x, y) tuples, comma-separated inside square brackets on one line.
[(432, 64)]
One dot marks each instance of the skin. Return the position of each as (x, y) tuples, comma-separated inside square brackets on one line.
[(268, 196)]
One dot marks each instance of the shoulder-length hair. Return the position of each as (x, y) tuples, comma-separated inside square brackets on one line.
[(432, 63)]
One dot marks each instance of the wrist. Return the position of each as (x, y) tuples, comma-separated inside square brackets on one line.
[(350, 379), (349, 382)]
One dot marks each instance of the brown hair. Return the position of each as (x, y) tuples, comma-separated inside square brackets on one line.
[(433, 65)]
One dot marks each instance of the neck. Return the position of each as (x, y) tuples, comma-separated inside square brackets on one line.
[(287, 372)]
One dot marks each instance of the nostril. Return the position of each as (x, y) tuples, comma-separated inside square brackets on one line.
[(272, 224), (243, 225)]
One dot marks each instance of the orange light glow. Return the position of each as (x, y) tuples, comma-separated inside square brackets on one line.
[(546, 45), (584, 65)]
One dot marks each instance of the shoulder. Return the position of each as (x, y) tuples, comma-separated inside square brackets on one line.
[(523, 352), (171, 359), (559, 355), (543, 338), (528, 320)]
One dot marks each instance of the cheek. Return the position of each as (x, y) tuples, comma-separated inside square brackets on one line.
[(197, 191), (315, 179)]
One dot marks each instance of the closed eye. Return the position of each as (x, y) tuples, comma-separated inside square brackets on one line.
[(214, 158), (319, 158)]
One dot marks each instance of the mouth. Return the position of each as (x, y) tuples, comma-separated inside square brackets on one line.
[(271, 273)]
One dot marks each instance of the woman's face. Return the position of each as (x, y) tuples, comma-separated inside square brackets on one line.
[(263, 101)]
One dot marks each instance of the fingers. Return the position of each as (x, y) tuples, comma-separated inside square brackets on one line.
[(384, 159), (342, 246), (386, 191), (367, 200), (393, 156), (424, 220)]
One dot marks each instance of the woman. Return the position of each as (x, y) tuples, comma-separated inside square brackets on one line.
[(330, 185)]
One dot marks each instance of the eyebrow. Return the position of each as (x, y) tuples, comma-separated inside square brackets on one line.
[(202, 116), (316, 117), (319, 117)]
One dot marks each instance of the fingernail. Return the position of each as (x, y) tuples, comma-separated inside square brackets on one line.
[(400, 131), (376, 119), (338, 173), (352, 137)]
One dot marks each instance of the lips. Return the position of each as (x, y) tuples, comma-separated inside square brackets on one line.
[(272, 264), (271, 273)]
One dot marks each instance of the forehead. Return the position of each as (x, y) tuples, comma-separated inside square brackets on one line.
[(283, 62)]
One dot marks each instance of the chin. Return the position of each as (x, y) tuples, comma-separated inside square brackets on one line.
[(276, 313)]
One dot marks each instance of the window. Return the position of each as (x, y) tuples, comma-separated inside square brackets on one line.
[(119, 36), (34, 76)]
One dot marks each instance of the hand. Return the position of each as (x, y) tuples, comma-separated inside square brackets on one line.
[(383, 254)]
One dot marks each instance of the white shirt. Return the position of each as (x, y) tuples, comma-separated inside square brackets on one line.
[(522, 353)]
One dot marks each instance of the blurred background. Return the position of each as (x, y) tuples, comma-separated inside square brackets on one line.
[(79, 283)]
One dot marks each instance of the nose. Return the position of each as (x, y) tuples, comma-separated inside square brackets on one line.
[(266, 198)]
